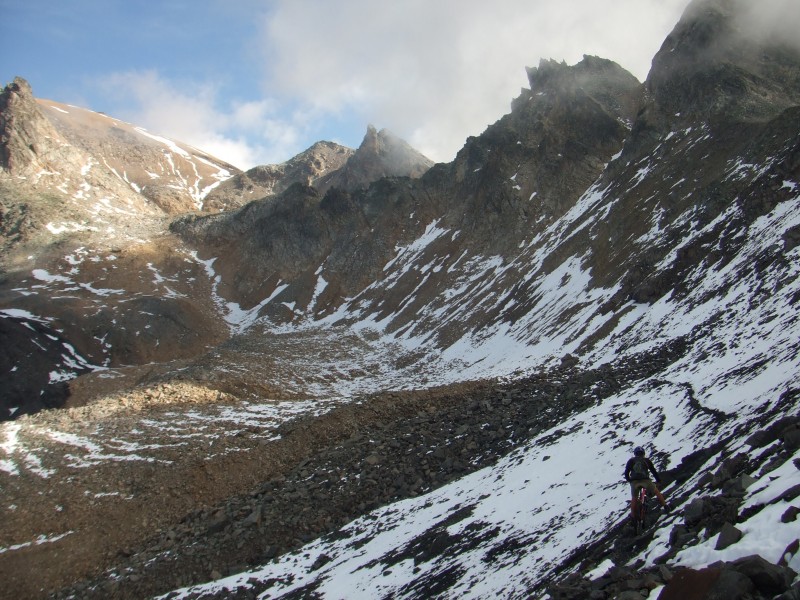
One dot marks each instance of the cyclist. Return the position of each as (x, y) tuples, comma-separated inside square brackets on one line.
[(637, 473)]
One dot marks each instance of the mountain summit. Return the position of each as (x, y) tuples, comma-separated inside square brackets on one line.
[(716, 64), (51, 186), (308, 168), (172, 175), (381, 154), (323, 166)]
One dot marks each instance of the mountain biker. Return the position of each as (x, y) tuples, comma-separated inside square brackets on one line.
[(637, 473)]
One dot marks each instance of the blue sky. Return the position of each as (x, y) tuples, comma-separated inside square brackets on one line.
[(257, 81)]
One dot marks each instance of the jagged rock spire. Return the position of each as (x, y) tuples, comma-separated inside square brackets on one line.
[(381, 154), (24, 131)]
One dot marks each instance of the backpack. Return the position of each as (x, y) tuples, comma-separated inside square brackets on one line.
[(639, 468)]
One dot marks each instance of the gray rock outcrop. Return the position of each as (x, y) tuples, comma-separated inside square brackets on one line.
[(381, 154)]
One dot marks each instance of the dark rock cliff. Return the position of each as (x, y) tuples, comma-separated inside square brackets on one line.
[(717, 103), (23, 128), (520, 174)]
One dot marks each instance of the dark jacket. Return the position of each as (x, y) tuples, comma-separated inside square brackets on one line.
[(650, 467)]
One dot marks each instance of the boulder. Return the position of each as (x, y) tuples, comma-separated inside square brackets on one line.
[(757, 439), (729, 468), (693, 513), (790, 515), (764, 437), (738, 485), (255, 518), (791, 437), (789, 553), (735, 464), (791, 594), (679, 536), (728, 536), (665, 573), (767, 577), (718, 583), (720, 477), (718, 510), (705, 480), (731, 585), (618, 573), (790, 494)]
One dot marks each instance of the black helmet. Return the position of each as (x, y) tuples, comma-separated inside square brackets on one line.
[(638, 451)]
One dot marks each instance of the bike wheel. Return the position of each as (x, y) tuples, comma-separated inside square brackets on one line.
[(640, 512), (643, 509)]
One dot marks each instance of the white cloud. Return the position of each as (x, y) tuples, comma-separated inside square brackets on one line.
[(777, 19), (243, 133), (432, 71), (437, 71)]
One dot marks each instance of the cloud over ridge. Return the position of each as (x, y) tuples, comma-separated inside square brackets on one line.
[(436, 72)]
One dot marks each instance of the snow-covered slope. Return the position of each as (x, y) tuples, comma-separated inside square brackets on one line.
[(171, 174), (506, 531)]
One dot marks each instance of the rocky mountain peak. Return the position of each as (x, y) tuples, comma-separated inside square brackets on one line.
[(534, 163), (713, 65), (172, 175), (600, 79), (307, 168), (549, 75), (325, 165), (318, 160), (50, 187), (381, 154), (21, 86), (591, 73), (25, 133), (370, 138)]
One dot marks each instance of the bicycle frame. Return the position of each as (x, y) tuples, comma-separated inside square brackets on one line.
[(640, 510)]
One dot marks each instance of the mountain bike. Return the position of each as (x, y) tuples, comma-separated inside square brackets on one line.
[(640, 510)]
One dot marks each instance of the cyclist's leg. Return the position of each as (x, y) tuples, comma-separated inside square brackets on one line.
[(653, 489)]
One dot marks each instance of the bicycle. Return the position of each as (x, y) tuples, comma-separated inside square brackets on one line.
[(640, 510)]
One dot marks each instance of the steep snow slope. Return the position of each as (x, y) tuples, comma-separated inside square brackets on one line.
[(505, 531)]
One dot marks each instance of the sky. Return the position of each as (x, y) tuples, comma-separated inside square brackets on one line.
[(257, 81)]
